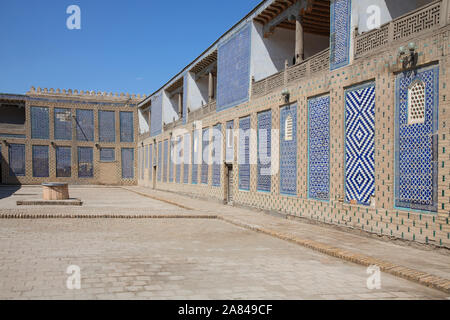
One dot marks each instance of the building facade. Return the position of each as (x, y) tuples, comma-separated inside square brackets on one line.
[(336, 111), (64, 136)]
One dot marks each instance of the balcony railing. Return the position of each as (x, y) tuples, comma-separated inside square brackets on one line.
[(312, 65), (202, 112), (427, 18)]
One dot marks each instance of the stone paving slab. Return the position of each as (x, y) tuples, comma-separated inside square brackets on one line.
[(428, 267), (166, 259)]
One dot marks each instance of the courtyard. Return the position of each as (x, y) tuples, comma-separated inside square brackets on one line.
[(169, 251)]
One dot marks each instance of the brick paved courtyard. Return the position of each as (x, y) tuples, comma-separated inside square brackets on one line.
[(172, 259)]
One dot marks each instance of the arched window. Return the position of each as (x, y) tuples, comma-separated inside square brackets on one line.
[(288, 128), (416, 103)]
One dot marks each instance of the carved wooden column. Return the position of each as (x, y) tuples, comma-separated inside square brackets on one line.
[(210, 87), (180, 104), (299, 50)]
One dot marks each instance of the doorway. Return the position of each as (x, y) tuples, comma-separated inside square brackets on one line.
[(154, 177)]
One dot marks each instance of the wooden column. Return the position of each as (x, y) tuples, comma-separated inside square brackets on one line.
[(180, 104), (299, 51), (211, 87)]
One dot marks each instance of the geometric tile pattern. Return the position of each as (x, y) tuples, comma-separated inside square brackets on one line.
[(107, 155), (179, 150), (159, 160), (39, 123), (264, 151), (85, 125), (319, 148), (205, 156), (40, 161), (233, 65), (85, 162), (416, 143), (128, 163), (63, 124), (288, 152), (126, 127), (172, 156), (216, 154), (194, 153), (187, 140), (166, 153), (16, 160), (150, 156), (106, 126), (341, 12), (63, 162), (244, 153), (360, 144), (156, 116)]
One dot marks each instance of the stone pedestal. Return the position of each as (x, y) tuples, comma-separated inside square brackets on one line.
[(55, 191)]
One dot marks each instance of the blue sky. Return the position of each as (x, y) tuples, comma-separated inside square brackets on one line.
[(130, 46)]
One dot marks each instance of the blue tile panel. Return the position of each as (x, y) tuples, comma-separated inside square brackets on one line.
[(107, 155), (85, 162), (127, 163), (63, 124), (341, 11), (156, 116), (126, 126), (171, 159), (264, 164), (159, 160), (179, 152), (141, 162), (233, 75), (288, 152), (216, 154), (229, 149), (186, 156), (106, 126), (185, 92), (164, 166), (154, 155), (319, 148), (360, 144), (416, 145), (16, 160), (40, 161), (85, 125), (39, 123), (205, 156), (150, 156), (63, 162), (244, 153), (194, 153)]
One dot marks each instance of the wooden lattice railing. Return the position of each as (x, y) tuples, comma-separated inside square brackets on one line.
[(314, 64), (429, 17)]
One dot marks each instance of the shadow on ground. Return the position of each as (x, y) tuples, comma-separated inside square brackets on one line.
[(7, 191)]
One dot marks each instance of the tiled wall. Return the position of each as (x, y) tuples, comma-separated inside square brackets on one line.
[(378, 73), (49, 150)]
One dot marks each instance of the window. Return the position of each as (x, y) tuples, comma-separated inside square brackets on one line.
[(416, 103), (107, 155), (288, 128)]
